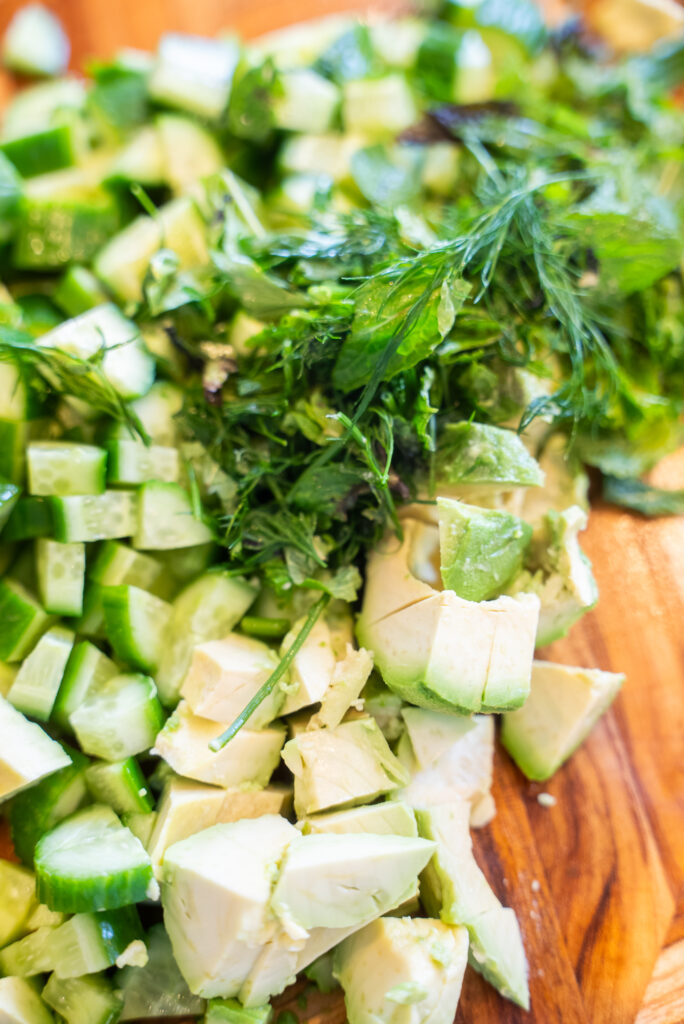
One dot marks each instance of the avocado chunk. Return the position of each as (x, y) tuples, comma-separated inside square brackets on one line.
[(449, 758), (392, 817), (187, 807), (216, 892), (340, 767), (312, 668), (435, 649), (559, 572), (225, 674), (28, 753), (249, 759), (563, 707), (454, 888), (478, 453), (21, 1004), (481, 549), (402, 971), (348, 680)]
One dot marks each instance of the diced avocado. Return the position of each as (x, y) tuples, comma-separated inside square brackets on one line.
[(345, 880), (187, 807), (21, 1004), (480, 549), (388, 818), (312, 668), (35, 42), (435, 649), (340, 767), (449, 758), (453, 888), (402, 971), (27, 754), (385, 707), (225, 674), (18, 887), (216, 892), (480, 454), (249, 759), (348, 680), (564, 705), (566, 483), (559, 572)]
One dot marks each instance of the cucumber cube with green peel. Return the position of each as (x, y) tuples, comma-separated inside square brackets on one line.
[(136, 624), (88, 1000), (35, 42), (36, 810), (166, 519), (35, 687), (9, 496), (86, 669), (61, 575), (22, 620), (91, 517), (62, 467), (119, 784), (90, 861), (119, 718), (21, 1004)]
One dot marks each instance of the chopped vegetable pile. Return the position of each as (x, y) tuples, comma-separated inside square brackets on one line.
[(304, 346)]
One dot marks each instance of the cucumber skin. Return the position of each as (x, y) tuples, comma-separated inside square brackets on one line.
[(31, 812)]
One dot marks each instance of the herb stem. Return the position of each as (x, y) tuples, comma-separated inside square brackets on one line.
[(312, 618)]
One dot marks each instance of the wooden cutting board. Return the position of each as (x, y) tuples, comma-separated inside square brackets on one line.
[(597, 879)]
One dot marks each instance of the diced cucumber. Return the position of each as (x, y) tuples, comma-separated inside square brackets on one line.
[(22, 620), (18, 888), (61, 576), (305, 102), (44, 151), (158, 989), (328, 154), (91, 622), (132, 462), (117, 563), (166, 519), (43, 917), (35, 688), (90, 861), (35, 42), (7, 676), (61, 224), (78, 291), (194, 73), (136, 624), (13, 437), (396, 41), (231, 1011), (141, 159), (185, 564), (95, 516), (41, 105), (62, 467), (125, 362), (38, 809), (120, 784), (86, 670), (24, 568), (157, 412), (10, 203), (379, 107), (207, 609), (122, 264), (119, 719), (27, 753), (21, 1004), (9, 496), (85, 944), (15, 393), (189, 151), (88, 1000)]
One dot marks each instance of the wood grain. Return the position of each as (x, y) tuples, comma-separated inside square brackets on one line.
[(597, 879)]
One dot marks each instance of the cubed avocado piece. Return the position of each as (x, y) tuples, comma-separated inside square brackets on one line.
[(216, 890), (21, 1004), (402, 971), (340, 767), (28, 753), (391, 817), (312, 668), (564, 705), (249, 759), (481, 454), (481, 549), (450, 757), (453, 888), (187, 807), (559, 572), (225, 674), (348, 680), (435, 649)]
